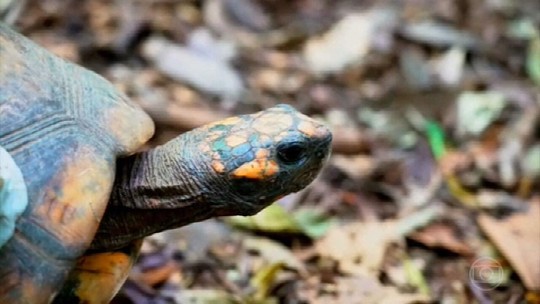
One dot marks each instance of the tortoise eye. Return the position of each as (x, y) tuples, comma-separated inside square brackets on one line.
[(291, 153)]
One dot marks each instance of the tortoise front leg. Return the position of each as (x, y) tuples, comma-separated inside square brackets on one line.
[(91, 280)]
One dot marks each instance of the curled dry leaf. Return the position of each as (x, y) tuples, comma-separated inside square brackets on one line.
[(438, 34), (359, 248), (449, 67), (346, 43), (518, 238), (273, 252), (208, 74), (442, 236), (355, 166), (415, 69), (217, 14), (277, 81)]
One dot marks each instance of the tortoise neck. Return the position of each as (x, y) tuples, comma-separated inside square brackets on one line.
[(153, 191), (157, 179)]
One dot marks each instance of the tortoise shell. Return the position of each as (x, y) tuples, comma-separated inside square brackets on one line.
[(63, 126)]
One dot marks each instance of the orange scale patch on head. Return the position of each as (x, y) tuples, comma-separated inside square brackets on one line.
[(257, 169), (307, 128), (271, 168), (218, 166), (262, 154)]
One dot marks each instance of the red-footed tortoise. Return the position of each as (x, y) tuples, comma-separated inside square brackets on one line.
[(72, 215)]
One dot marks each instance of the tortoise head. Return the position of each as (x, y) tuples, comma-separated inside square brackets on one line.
[(258, 158), (236, 166)]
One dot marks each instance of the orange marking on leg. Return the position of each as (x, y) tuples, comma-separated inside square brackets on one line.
[(101, 275)]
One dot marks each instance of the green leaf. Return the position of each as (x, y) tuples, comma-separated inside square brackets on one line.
[(313, 223), (276, 219), (264, 279), (531, 162), (522, 29), (477, 110), (416, 277), (273, 218), (533, 59), (435, 135)]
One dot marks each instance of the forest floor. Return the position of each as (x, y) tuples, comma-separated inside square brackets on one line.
[(432, 193)]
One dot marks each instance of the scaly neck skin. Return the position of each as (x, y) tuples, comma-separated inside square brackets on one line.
[(154, 191)]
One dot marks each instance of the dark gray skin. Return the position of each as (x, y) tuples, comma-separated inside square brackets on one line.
[(175, 184)]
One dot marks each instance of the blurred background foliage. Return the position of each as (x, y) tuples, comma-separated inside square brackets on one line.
[(432, 193)]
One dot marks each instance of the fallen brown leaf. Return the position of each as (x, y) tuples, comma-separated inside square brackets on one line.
[(441, 235), (518, 238), (359, 248)]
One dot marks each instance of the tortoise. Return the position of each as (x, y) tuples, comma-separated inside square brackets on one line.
[(77, 194)]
